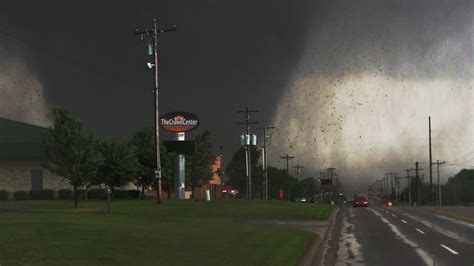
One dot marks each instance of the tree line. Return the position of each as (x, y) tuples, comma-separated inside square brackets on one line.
[(85, 161), (457, 190), (279, 180)]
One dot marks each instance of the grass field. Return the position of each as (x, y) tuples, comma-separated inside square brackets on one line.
[(144, 233)]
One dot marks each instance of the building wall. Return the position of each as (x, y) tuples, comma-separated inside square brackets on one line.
[(16, 175)]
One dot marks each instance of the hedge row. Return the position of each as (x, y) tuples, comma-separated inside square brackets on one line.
[(48, 194), (3, 195)]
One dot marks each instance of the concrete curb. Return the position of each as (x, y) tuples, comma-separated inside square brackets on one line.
[(311, 250)]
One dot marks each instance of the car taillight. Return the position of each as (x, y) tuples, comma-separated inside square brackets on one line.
[(365, 202)]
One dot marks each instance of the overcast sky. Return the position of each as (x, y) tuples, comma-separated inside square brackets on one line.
[(226, 54)]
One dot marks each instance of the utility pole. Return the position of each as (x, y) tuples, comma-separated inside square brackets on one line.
[(265, 152), (409, 184), (431, 162), (331, 172), (153, 34), (391, 182), (417, 183), (298, 168), (439, 188), (248, 163), (287, 158)]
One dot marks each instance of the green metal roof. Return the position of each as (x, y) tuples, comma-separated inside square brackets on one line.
[(20, 140)]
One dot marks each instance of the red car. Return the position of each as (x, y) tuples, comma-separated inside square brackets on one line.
[(360, 201)]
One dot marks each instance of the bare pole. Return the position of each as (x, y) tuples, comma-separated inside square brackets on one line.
[(247, 124), (154, 34)]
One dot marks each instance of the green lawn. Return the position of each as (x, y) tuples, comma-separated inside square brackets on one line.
[(144, 233)]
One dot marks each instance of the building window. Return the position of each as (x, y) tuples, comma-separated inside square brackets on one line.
[(37, 179)]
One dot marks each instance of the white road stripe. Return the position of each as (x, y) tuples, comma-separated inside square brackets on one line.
[(421, 232), (394, 215), (449, 249), (423, 255), (404, 221)]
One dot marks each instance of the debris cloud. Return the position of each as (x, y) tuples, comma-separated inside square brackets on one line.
[(370, 75)]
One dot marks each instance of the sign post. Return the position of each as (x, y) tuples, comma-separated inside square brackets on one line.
[(179, 123), (179, 170)]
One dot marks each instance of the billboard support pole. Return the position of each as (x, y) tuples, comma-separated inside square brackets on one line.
[(179, 170)]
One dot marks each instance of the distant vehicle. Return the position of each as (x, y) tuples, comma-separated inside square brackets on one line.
[(360, 201), (303, 199)]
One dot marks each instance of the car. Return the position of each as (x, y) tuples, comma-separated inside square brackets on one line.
[(360, 202)]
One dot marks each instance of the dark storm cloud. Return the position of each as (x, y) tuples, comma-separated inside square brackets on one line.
[(224, 55)]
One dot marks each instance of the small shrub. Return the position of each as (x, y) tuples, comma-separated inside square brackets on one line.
[(126, 194), (65, 194), (121, 194), (3, 195), (20, 195), (41, 194), (97, 193)]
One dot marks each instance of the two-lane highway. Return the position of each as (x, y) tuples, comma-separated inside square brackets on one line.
[(380, 235)]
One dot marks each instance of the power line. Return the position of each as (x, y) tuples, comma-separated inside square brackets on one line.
[(153, 51)]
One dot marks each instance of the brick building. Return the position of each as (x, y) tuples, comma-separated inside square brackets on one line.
[(21, 157), (214, 185)]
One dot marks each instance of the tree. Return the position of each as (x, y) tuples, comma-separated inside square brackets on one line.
[(119, 168), (279, 179), (460, 188), (143, 143), (236, 170), (69, 152), (199, 165), (307, 188)]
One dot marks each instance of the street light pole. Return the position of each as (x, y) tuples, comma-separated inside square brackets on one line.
[(154, 34)]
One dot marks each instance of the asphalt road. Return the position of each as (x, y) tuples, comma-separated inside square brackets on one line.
[(380, 235)]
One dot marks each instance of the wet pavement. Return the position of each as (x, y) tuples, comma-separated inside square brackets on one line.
[(380, 235)]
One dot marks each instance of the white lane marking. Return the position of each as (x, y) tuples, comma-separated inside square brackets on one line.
[(443, 231), (404, 221), (421, 232), (455, 221), (394, 215), (423, 255), (449, 249)]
